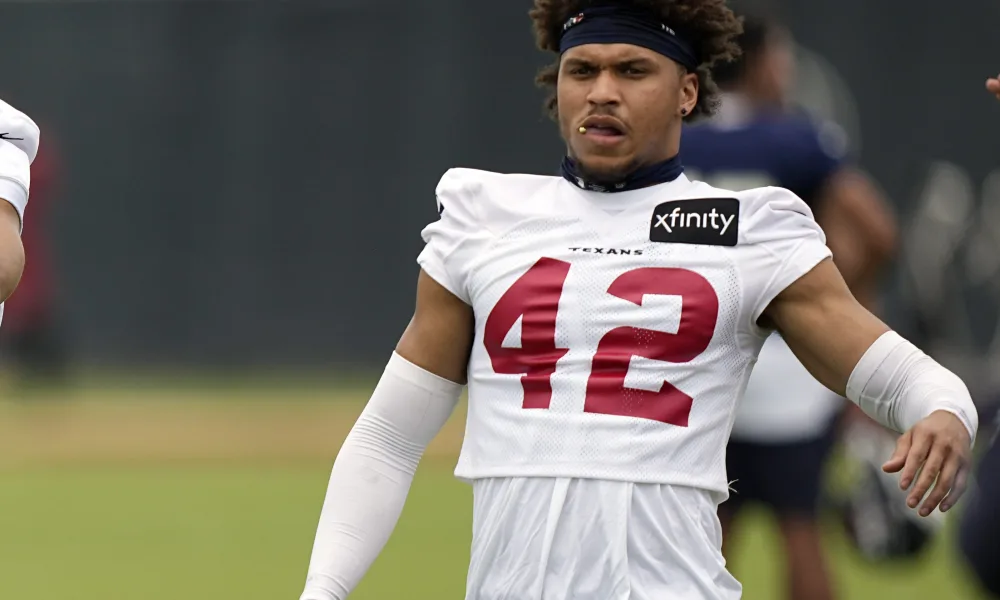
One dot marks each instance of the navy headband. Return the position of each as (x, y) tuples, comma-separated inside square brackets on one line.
[(615, 25)]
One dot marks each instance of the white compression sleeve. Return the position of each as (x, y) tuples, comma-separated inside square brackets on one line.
[(898, 385), (372, 474)]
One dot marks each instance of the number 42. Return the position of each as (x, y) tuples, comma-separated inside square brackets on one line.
[(534, 298)]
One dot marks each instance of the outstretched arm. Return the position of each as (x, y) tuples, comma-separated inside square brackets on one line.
[(371, 477), (854, 354)]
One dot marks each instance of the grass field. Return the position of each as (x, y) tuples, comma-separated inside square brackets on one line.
[(212, 493)]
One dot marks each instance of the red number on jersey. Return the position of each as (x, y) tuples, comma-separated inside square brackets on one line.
[(535, 298), (606, 391)]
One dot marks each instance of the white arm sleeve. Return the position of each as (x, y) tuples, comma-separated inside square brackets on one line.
[(898, 385), (372, 474)]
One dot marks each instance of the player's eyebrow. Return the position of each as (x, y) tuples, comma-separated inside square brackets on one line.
[(578, 62), (639, 61), (634, 61)]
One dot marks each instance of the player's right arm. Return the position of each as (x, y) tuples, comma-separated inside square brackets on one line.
[(372, 474), (413, 400), (439, 336)]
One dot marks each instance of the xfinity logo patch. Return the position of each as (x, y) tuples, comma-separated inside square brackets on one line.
[(709, 221)]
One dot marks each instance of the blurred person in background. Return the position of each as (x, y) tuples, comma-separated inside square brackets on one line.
[(18, 146), (606, 322), (785, 426), (31, 338), (979, 532)]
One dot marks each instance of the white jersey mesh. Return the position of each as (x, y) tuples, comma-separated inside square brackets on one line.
[(495, 229)]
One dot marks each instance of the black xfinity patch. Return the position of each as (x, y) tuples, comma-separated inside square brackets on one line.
[(708, 221)]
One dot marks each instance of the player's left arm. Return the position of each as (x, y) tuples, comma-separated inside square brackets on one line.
[(855, 354), (11, 250)]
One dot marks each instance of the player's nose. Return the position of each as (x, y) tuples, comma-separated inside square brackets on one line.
[(604, 90)]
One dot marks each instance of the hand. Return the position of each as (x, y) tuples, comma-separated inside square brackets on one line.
[(993, 85), (939, 447)]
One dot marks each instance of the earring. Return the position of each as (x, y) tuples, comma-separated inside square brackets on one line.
[(684, 112)]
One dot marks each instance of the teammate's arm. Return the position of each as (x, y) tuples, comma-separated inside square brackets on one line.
[(11, 250), (860, 229), (854, 354), (993, 85), (371, 477), (17, 151)]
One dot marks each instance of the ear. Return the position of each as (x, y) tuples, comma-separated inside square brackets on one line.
[(688, 93)]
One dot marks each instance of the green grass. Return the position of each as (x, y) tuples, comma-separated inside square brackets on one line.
[(208, 533), (211, 492), (235, 532), (935, 574)]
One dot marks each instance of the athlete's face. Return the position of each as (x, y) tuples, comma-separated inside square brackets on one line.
[(629, 99)]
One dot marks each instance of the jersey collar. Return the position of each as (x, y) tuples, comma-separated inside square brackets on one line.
[(647, 176)]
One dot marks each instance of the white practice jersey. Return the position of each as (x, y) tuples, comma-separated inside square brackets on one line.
[(614, 337)]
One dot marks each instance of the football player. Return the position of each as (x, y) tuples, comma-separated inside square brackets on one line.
[(979, 533), (606, 323)]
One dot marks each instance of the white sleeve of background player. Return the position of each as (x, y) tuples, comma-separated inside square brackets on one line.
[(452, 239), (372, 474), (898, 385), (17, 151), (15, 177), (784, 244)]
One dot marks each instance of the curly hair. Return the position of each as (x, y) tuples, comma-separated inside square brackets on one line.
[(709, 25)]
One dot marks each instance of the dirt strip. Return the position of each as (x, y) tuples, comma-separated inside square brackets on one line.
[(129, 428)]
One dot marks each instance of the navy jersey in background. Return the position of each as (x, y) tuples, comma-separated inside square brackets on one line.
[(791, 151), (785, 415)]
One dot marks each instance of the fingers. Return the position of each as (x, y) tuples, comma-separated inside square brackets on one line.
[(961, 483), (946, 473), (929, 471), (920, 447), (939, 451), (898, 458)]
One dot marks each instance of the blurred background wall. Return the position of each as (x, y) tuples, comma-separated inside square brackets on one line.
[(230, 185), (244, 182)]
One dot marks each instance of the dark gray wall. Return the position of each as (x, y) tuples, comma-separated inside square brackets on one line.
[(245, 181)]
